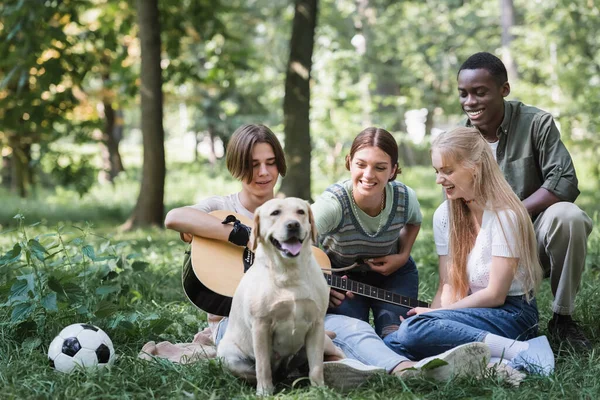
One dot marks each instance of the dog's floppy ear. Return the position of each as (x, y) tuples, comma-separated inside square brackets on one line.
[(314, 234), (255, 233)]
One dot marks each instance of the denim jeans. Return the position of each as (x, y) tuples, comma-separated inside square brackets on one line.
[(358, 341), (435, 332), (405, 281), (356, 338)]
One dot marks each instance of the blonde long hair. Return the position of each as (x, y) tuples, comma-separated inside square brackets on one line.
[(467, 147)]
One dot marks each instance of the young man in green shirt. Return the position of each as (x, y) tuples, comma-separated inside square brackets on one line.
[(540, 170)]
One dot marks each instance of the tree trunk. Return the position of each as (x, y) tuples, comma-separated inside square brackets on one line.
[(197, 140), (6, 171), (149, 209), (296, 103), (21, 179), (212, 156), (507, 9), (429, 121), (112, 135)]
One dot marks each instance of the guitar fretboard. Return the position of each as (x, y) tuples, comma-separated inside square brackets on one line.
[(337, 282)]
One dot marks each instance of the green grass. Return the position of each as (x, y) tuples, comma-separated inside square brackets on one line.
[(156, 293)]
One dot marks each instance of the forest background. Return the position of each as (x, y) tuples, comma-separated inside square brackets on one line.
[(114, 112)]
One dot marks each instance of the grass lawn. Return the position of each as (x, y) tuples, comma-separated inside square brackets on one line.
[(129, 284)]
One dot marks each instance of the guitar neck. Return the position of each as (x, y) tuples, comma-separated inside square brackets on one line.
[(337, 282)]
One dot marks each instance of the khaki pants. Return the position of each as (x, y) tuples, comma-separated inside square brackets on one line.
[(562, 232)]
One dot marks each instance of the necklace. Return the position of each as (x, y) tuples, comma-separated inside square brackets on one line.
[(355, 209), (468, 201)]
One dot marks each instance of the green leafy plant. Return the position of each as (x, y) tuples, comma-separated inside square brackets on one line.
[(61, 277)]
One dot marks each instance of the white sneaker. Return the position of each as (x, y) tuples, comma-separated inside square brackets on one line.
[(347, 374), (465, 360), (498, 360), (537, 359)]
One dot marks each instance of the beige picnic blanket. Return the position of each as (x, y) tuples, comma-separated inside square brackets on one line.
[(202, 347)]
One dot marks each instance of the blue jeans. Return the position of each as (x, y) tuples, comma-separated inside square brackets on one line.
[(356, 338), (405, 281), (358, 341), (435, 332)]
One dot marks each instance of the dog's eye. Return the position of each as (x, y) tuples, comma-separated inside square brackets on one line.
[(275, 212), (301, 212)]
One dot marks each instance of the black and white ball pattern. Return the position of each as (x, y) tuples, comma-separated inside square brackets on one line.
[(80, 346)]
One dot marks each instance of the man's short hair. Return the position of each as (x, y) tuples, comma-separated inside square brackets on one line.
[(489, 62)]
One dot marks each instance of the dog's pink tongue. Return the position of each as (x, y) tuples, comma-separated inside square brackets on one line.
[(292, 246)]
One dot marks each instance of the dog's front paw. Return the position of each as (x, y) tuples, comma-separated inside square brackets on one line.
[(264, 389)]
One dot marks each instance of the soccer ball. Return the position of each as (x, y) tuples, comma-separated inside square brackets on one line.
[(81, 345)]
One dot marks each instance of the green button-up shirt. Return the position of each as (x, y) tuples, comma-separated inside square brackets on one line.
[(531, 154)]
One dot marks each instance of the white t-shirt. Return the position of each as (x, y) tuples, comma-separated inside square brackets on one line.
[(492, 240), (229, 203), (494, 147)]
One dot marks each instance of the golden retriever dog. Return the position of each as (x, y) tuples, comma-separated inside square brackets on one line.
[(279, 307)]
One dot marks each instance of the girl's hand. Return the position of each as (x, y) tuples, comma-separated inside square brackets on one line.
[(387, 265), (186, 237), (418, 310)]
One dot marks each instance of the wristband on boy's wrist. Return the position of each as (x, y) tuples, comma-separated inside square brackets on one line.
[(240, 234)]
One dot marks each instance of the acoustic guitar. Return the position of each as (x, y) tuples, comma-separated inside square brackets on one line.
[(213, 269)]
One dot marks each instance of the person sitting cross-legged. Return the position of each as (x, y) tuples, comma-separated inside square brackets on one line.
[(488, 264)]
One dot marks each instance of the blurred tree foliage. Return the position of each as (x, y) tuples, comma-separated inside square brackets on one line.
[(42, 62), (62, 63)]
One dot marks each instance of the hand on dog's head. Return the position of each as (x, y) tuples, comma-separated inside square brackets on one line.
[(286, 223)]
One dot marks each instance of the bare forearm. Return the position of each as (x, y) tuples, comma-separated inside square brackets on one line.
[(198, 223), (539, 201), (437, 299), (485, 298), (408, 235)]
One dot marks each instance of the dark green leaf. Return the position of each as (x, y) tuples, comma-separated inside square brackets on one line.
[(106, 289), (72, 289), (107, 257), (22, 311), (139, 266), (49, 302), (37, 249), (103, 271), (55, 285), (31, 343), (158, 326), (112, 275), (126, 325), (83, 309), (11, 255), (105, 309), (89, 252), (5, 289), (23, 285)]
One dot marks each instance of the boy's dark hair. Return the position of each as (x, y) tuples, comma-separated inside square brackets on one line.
[(489, 62), (239, 150)]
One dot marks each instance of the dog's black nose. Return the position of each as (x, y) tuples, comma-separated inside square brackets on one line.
[(293, 226)]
